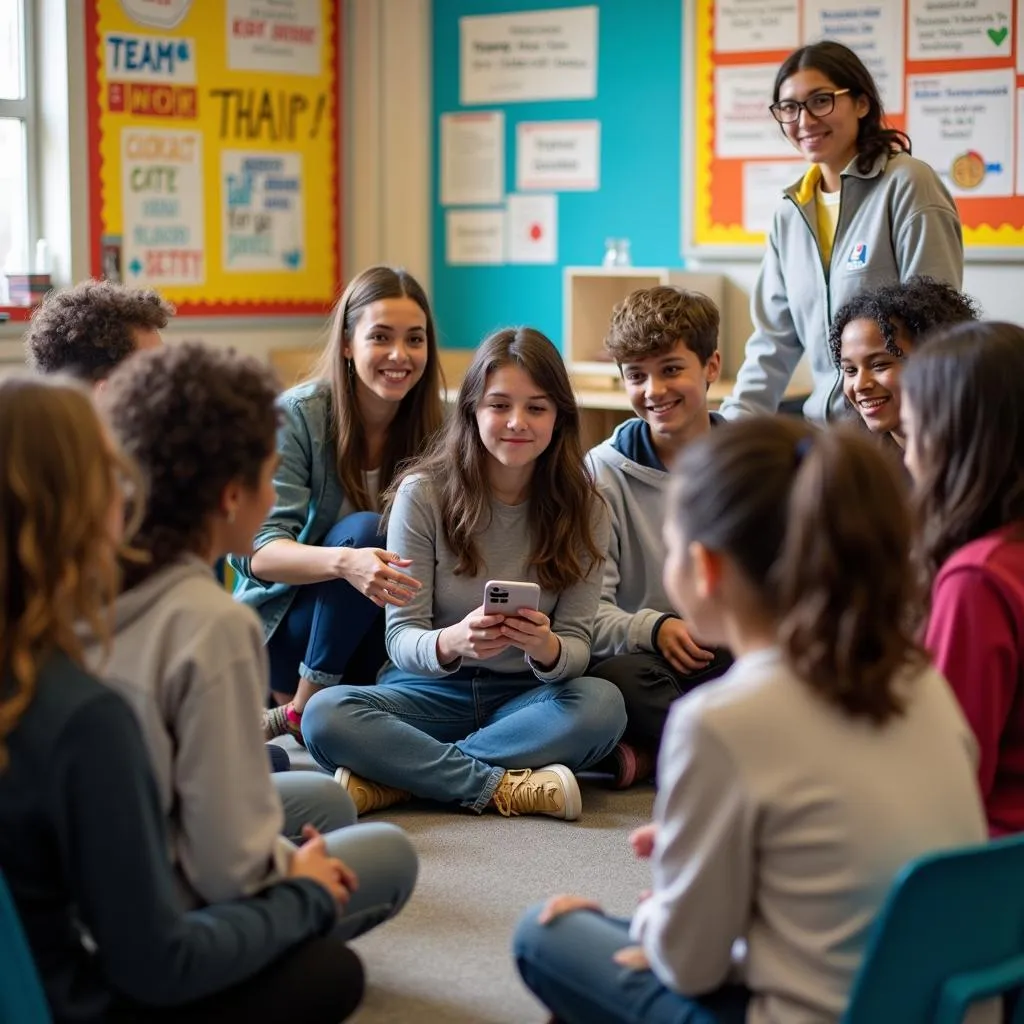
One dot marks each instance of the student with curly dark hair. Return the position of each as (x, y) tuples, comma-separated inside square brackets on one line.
[(873, 333), (88, 330), (321, 575), (200, 424), (963, 413), (83, 842), (793, 790)]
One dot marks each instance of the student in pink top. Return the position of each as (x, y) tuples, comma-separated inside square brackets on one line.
[(963, 417)]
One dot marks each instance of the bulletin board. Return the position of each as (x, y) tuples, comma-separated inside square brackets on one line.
[(214, 152), (951, 75)]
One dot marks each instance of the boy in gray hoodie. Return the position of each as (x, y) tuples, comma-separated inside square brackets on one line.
[(665, 343)]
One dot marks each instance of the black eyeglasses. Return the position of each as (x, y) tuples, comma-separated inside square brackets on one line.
[(819, 105)]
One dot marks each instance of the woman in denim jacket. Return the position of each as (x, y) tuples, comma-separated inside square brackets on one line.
[(320, 575)]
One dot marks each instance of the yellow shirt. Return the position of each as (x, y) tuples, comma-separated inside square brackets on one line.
[(827, 206)]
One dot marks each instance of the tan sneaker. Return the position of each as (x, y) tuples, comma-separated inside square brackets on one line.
[(551, 790), (369, 796)]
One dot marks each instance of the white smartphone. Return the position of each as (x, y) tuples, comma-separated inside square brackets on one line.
[(505, 597)]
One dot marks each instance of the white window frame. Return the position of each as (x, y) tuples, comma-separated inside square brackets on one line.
[(27, 111)]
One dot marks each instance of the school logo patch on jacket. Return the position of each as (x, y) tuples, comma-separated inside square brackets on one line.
[(858, 258)]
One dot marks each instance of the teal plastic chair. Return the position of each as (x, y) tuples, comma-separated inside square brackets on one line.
[(950, 933), (21, 994)]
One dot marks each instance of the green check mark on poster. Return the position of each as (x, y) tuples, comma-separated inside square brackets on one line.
[(997, 35)]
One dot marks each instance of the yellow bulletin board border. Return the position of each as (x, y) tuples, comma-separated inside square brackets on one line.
[(711, 184), (323, 266)]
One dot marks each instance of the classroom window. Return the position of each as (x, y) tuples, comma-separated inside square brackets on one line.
[(18, 136)]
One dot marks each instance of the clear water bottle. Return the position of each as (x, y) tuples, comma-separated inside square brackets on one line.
[(616, 253)]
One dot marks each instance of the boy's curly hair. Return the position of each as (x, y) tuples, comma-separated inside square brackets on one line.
[(193, 418), (650, 321), (86, 331), (919, 303)]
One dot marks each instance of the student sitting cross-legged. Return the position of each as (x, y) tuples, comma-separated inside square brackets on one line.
[(665, 343), (200, 423), (793, 790), (487, 710), (83, 838), (963, 417)]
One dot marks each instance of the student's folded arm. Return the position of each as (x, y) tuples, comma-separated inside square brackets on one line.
[(773, 350), (114, 848), (572, 619), (287, 518), (973, 639), (410, 636), (703, 860), (229, 814)]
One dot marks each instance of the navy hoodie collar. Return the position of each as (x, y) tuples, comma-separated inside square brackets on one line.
[(633, 440)]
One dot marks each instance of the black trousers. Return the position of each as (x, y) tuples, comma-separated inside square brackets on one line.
[(649, 685), (319, 982)]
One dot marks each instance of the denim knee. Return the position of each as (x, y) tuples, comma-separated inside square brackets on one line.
[(391, 852), (358, 530), (530, 935), (326, 722), (600, 715)]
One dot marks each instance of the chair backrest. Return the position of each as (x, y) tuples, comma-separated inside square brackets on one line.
[(21, 994), (951, 932)]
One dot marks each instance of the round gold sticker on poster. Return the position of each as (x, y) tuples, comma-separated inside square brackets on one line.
[(968, 170)]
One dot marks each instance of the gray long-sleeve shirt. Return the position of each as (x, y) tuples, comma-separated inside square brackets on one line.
[(415, 531)]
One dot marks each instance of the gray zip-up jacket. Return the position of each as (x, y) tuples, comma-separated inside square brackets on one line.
[(895, 221)]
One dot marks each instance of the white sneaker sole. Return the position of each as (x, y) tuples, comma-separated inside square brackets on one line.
[(341, 777), (571, 789)]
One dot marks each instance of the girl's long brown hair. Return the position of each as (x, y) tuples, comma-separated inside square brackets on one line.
[(816, 522), (421, 411), (965, 389), (562, 491), (59, 476)]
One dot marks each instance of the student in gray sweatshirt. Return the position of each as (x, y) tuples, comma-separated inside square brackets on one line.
[(665, 343), (487, 710), (200, 424), (83, 844), (794, 789)]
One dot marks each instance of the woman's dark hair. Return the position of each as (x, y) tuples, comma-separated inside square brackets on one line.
[(816, 522), (193, 418), (562, 491), (920, 304), (966, 392), (846, 70), (420, 413)]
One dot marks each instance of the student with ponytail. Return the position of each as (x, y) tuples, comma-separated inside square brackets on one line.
[(963, 416), (792, 790)]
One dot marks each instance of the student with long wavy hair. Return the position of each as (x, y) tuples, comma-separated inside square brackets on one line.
[(487, 710), (200, 424), (963, 415), (83, 846), (792, 790), (320, 575)]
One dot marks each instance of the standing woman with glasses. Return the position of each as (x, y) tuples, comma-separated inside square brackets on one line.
[(866, 214)]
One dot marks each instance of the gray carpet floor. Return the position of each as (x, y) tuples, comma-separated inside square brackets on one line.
[(446, 958)]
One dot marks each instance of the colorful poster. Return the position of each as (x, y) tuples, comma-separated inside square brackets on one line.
[(264, 222), (162, 190), (959, 123), (958, 29), (534, 55), (285, 36)]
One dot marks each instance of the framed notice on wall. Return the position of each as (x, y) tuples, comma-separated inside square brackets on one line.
[(213, 145)]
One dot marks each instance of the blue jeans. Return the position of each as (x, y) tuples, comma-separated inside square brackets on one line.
[(452, 739), (331, 630), (568, 966)]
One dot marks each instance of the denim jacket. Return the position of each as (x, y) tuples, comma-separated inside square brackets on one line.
[(309, 496)]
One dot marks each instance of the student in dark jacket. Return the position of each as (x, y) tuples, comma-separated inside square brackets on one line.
[(82, 841)]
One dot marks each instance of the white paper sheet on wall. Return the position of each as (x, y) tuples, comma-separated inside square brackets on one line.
[(744, 126), (763, 184), (472, 158), (558, 155), (742, 26), (532, 228), (958, 29), (474, 237)]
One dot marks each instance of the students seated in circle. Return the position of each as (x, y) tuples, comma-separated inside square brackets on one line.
[(793, 790), (487, 711), (200, 424), (83, 842), (320, 574), (963, 417), (873, 333), (865, 214)]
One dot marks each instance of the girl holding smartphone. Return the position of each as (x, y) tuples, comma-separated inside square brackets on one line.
[(487, 710)]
